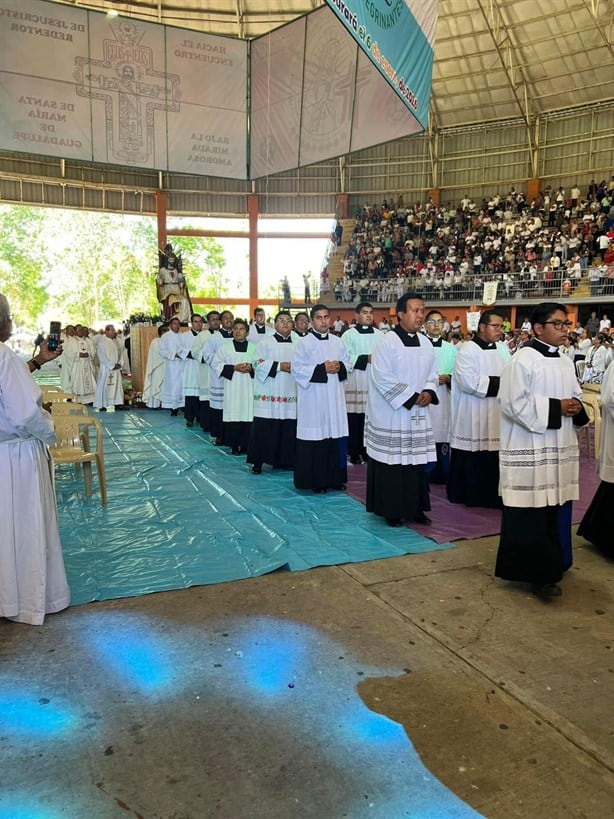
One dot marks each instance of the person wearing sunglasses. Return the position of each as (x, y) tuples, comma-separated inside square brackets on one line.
[(538, 458)]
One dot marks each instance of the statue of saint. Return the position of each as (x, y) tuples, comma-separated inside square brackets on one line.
[(171, 287)]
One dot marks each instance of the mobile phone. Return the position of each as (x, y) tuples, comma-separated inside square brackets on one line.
[(53, 339)]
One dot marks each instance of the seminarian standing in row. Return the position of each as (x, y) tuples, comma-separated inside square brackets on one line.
[(475, 413), (539, 458), (360, 341), (398, 433), (320, 366), (273, 436)]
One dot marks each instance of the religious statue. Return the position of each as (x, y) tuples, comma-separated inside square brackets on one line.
[(171, 287)]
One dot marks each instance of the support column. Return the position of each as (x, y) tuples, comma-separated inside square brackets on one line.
[(343, 206), (533, 188), (161, 209), (435, 194), (253, 212)]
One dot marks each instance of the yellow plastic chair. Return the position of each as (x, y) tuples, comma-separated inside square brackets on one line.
[(592, 405), (59, 397), (73, 447), (68, 408)]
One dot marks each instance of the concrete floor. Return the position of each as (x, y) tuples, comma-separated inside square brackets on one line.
[(261, 697)]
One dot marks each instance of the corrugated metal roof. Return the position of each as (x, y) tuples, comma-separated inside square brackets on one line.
[(494, 59)]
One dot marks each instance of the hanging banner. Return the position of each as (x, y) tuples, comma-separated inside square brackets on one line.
[(398, 36), (490, 293)]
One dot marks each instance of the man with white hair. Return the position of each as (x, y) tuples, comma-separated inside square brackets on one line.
[(32, 577)]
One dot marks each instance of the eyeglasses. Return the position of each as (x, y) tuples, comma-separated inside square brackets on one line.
[(496, 326), (558, 324), (434, 321)]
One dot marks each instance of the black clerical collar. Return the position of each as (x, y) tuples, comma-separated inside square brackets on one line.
[(226, 333), (260, 328), (484, 345), (194, 332), (436, 342), (364, 328), (319, 336), (408, 339), (299, 334), (211, 330), (240, 346), (281, 339), (545, 349)]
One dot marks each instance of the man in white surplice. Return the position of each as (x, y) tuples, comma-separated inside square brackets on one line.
[(154, 372), (360, 341), (539, 459), (80, 358), (216, 384), (398, 433), (445, 358), (474, 432), (191, 385), (273, 436), (109, 387), (320, 366), (174, 350), (32, 577)]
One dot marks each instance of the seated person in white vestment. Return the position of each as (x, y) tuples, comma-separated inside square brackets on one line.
[(273, 436), (474, 432), (154, 372), (32, 576), (234, 363), (360, 341), (320, 366), (539, 458), (398, 433)]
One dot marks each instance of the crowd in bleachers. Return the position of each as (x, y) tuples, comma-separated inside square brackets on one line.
[(542, 247)]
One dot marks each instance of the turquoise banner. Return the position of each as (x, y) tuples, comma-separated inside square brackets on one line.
[(396, 43)]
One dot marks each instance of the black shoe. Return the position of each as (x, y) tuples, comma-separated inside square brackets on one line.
[(218, 442), (319, 491), (235, 450), (340, 487), (256, 470), (189, 423), (422, 518), (394, 522), (174, 412), (546, 590), (356, 460), (102, 409)]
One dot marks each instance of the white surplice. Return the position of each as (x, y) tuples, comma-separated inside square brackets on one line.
[(238, 390), (154, 376), (474, 417), (274, 395), (445, 358), (538, 466), (357, 384), (109, 387), (173, 350), (216, 385), (321, 408), (394, 434), (81, 360), (32, 576)]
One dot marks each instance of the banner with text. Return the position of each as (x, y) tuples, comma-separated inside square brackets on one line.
[(398, 36), (80, 85)]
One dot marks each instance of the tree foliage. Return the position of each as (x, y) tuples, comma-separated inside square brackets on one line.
[(23, 262), (79, 266)]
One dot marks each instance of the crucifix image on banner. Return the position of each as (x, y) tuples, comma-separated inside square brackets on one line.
[(132, 90)]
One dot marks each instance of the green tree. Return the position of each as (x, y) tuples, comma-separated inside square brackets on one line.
[(204, 267), (23, 262)]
